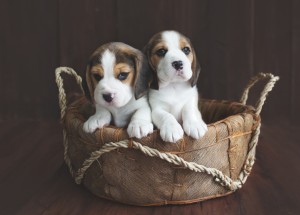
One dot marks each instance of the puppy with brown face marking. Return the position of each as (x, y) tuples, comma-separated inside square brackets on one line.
[(117, 78), (174, 96)]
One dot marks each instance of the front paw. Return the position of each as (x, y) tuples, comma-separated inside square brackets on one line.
[(171, 132), (195, 129), (95, 122), (139, 128)]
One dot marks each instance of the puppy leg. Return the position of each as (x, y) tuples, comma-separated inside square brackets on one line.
[(101, 118), (193, 123), (140, 124), (170, 129)]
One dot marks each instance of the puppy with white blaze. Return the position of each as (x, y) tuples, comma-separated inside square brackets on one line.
[(173, 95), (117, 78)]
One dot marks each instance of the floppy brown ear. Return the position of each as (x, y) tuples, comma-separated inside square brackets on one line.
[(87, 84), (143, 75), (152, 70), (195, 68)]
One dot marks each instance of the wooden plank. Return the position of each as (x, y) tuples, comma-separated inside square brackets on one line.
[(31, 158), (230, 44), (239, 46), (28, 58), (295, 80), (217, 24), (155, 16), (272, 52), (83, 26)]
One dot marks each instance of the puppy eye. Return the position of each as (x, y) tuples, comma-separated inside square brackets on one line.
[(161, 52), (122, 76), (97, 77), (186, 50)]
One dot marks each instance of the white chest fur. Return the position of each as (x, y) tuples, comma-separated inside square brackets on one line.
[(173, 97), (121, 116)]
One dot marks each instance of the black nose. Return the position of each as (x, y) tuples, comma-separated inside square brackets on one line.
[(107, 97), (177, 64)]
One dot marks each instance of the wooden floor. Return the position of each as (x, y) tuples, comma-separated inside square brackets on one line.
[(34, 179)]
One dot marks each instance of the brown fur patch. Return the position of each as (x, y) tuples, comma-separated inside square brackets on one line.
[(97, 69), (154, 60), (153, 45), (124, 67), (183, 42)]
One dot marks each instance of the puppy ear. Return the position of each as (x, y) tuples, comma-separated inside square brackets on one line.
[(154, 79), (87, 84), (196, 69), (143, 75)]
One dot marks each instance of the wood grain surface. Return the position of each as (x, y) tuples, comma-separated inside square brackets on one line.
[(233, 39), (35, 180)]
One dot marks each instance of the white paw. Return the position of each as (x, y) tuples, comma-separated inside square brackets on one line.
[(171, 132), (95, 122), (139, 128), (195, 129)]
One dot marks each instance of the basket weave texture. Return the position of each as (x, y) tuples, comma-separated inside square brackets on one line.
[(149, 171)]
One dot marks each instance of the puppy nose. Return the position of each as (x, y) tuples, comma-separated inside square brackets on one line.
[(108, 97), (177, 64)]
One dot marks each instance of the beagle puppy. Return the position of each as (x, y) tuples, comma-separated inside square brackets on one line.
[(173, 96), (117, 79)]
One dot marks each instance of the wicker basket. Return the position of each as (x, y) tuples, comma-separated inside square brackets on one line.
[(149, 171)]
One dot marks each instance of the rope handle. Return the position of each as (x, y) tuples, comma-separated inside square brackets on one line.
[(268, 87), (61, 91), (218, 176)]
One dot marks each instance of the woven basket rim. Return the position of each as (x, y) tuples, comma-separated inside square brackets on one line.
[(249, 109), (121, 133)]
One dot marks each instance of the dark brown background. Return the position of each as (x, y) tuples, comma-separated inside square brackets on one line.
[(234, 40)]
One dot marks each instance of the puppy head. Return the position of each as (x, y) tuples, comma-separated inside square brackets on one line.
[(115, 73), (172, 58)]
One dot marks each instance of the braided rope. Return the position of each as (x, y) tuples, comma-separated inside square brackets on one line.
[(171, 158), (250, 156), (63, 106), (268, 87), (60, 85), (258, 107), (219, 177)]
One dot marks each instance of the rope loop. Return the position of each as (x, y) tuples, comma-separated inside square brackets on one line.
[(268, 87), (63, 105), (60, 85), (218, 176)]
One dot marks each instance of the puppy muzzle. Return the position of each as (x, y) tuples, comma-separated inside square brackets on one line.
[(178, 65), (108, 97)]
